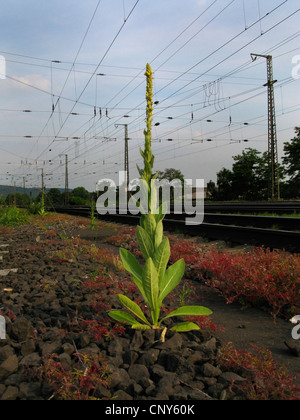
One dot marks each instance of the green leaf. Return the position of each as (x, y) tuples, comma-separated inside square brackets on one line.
[(189, 311), (140, 327), (185, 327), (153, 197), (122, 317), (150, 283), (133, 267), (145, 242), (171, 279), (133, 307), (161, 259), (158, 234), (131, 264), (150, 225), (161, 212)]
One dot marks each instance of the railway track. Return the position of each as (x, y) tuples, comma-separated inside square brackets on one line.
[(269, 231)]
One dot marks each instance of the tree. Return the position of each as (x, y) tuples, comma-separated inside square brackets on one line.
[(171, 174), (224, 183), (79, 196), (291, 161), (54, 197), (249, 179)]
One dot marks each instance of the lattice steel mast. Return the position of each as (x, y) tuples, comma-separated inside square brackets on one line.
[(272, 131)]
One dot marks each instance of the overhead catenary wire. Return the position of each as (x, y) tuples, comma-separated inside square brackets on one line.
[(136, 124)]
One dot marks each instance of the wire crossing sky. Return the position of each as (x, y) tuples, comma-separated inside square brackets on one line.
[(74, 75)]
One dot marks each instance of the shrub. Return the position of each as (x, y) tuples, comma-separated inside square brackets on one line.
[(261, 277), (265, 380), (13, 217)]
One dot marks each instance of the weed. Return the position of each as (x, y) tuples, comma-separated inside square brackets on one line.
[(78, 384), (265, 380), (13, 217)]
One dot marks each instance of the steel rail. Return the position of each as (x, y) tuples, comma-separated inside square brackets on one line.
[(236, 229)]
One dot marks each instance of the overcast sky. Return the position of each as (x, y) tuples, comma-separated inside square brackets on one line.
[(210, 95)]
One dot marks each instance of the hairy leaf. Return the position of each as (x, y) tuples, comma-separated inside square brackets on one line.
[(133, 307), (171, 279), (189, 311), (185, 327), (145, 242)]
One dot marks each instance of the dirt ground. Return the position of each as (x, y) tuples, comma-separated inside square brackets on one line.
[(242, 327)]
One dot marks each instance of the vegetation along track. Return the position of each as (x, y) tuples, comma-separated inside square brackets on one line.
[(270, 231)]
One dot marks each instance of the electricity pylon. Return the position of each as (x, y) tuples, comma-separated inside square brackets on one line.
[(272, 132)]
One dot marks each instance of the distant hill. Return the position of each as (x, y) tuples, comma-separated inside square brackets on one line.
[(32, 192)]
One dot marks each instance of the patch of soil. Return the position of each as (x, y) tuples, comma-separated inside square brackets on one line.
[(42, 301)]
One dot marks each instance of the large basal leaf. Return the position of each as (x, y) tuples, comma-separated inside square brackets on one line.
[(171, 279), (189, 311), (133, 267), (145, 242), (185, 327), (161, 259), (131, 264), (122, 317), (133, 307), (150, 283), (141, 327)]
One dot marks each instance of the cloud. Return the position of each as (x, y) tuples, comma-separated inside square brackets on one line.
[(33, 80)]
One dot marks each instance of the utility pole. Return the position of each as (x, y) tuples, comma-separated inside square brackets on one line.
[(24, 185), (43, 186), (272, 131), (126, 163), (67, 182), (66, 179), (15, 194)]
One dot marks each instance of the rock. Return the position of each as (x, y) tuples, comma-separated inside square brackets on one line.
[(29, 391), (157, 372), (66, 361), (2, 389), (230, 377), (5, 352), (8, 367), (165, 386), (138, 372), (32, 360), (11, 394), (130, 357), (210, 346), (119, 377), (115, 348), (48, 348), (137, 341), (211, 371), (122, 396), (149, 358), (28, 348), (174, 343), (84, 340), (68, 348), (22, 329)]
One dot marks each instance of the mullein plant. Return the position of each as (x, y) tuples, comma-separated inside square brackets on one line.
[(154, 280)]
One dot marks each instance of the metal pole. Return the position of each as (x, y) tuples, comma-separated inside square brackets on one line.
[(67, 183), (126, 163), (272, 130)]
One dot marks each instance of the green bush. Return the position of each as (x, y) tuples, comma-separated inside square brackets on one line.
[(13, 216)]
